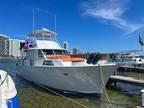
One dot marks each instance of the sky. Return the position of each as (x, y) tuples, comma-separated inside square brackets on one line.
[(90, 25)]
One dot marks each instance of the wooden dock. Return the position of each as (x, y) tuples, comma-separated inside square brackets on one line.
[(128, 80)]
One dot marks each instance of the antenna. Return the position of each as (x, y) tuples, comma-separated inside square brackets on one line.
[(55, 22), (33, 20)]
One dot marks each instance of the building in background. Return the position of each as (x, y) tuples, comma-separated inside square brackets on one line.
[(4, 45), (76, 51), (9, 47), (14, 48)]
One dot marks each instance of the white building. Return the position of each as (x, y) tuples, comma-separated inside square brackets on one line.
[(9, 47), (14, 48)]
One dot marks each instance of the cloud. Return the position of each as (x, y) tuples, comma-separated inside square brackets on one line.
[(111, 11)]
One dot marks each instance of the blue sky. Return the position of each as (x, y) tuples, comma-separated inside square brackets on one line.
[(91, 25)]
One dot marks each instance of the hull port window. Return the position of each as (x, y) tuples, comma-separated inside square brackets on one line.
[(50, 63)]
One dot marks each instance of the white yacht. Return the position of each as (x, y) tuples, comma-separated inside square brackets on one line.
[(46, 63), (129, 60), (133, 63)]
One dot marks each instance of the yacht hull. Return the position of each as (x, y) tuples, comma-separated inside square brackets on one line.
[(82, 79), (79, 79)]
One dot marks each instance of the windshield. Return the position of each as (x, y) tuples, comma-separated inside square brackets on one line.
[(48, 52), (55, 52), (60, 52)]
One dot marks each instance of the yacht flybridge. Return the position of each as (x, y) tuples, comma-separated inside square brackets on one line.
[(46, 63)]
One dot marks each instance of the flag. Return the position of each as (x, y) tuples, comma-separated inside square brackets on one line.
[(141, 40)]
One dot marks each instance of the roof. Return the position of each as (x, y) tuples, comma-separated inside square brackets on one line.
[(42, 32)]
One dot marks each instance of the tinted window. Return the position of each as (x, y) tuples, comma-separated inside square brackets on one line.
[(48, 52), (65, 52), (58, 52), (61, 52), (50, 38), (39, 38)]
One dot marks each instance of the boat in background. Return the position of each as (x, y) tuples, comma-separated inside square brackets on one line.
[(46, 63), (130, 60), (8, 92), (131, 63)]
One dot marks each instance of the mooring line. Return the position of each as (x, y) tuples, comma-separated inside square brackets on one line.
[(82, 105), (107, 97)]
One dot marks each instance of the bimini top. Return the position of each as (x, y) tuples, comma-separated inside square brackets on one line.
[(43, 32)]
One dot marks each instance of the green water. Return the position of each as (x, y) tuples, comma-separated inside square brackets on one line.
[(124, 96), (32, 96)]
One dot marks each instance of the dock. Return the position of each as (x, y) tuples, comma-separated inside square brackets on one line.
[(128, 80)]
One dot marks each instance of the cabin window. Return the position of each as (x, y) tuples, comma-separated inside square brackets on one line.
[(60, 52), (65, 52), (48, 52), (45, 37), (50, 63), (55, 52), (50, 38), (39, 37)]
